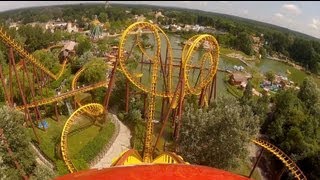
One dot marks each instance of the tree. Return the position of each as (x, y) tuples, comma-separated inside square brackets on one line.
[(219, 135), (292, 128), (309, 95), (95, 71), (244, 43), (83, 46), (42, 173), (18, 140), (79, 62), (48, 60), (103, 17), (270, 75), (247, 94)]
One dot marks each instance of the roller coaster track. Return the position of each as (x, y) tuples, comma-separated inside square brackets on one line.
[(25, 55), (63, 95), (132, 157), (74, 84), (156, 31), (289, 163), (95, 110), (212, 55)]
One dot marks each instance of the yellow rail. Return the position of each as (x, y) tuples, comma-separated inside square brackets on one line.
[(122, 57), (295, 170), (132, 157), (25, 55), (95, 110), (63, 95)]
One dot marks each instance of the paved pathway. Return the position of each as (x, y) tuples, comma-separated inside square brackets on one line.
[(41, 159), (121, 143)]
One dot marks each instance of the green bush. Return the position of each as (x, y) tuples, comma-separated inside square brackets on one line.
[(92, 149), (121, 116), (138, 135), (61, 167)]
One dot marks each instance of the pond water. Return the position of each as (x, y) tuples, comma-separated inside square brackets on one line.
[(281, 68), (224, 63)]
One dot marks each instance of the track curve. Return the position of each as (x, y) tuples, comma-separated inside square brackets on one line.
[(95, 110)]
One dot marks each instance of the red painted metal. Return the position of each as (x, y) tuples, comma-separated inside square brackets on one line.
[(127, 96), (22, 94), (6, 95), (36, 109), (215, 86), (155, 172)]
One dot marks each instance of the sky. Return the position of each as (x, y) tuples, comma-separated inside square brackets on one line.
[(302, 16)]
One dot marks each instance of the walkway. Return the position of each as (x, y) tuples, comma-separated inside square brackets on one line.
[(121, 143), (41, 159)]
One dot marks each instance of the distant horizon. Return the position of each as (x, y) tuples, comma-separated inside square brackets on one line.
[(40, 4)]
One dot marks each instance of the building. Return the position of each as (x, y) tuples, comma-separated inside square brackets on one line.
[(72, 27), (67, 50), (239, 79)]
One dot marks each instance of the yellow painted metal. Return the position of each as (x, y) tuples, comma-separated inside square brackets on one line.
[(25, 55), (289, 163), (95, 110), (155, 59), (63, 95), (211, 54), (168, 158), (130, 157), (156, 32)]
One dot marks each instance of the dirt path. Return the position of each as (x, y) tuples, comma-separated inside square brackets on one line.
[(121, 143)]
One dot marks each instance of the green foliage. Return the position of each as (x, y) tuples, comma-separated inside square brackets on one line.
[(91, 149), (36, 38), (117, 99), (205, 140), (294, 127), (95, 71), (103, 46), (309, 94), (48, 59), (77, 63), (263, 52), (247, 94), (83, 46), (42, 173), (244, 43), (18, 141), (270, 75), (138, 136), (103, 17)]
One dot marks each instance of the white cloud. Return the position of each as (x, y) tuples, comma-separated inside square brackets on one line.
[(315, 24), (245, 11), (278, 15), (291, 8), (203, 3)]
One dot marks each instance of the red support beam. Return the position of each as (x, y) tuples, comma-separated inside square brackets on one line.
[(215, 86), (6, 95), (127, 96), (10, 80), (56, 111), (33, 94), (22, 95), (256, 163)]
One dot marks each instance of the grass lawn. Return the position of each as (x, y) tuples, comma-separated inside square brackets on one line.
[(81, 135), (225, 51)]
